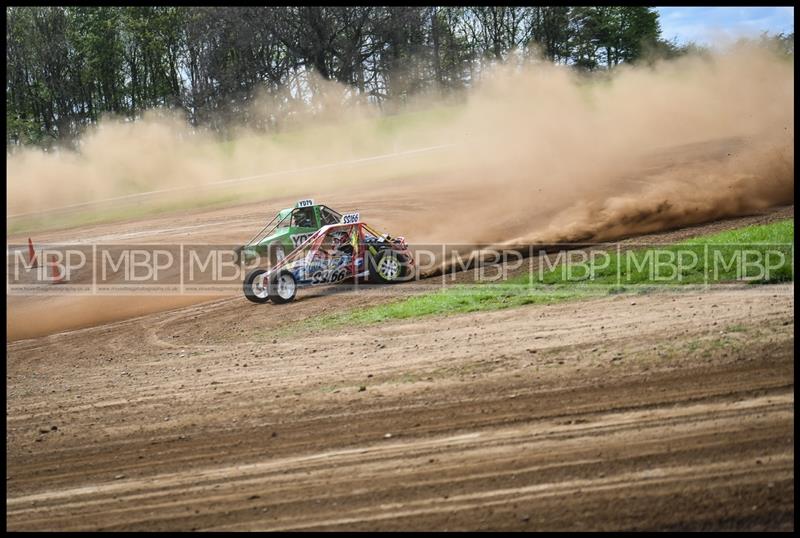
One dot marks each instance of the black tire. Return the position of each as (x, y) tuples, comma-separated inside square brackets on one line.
[(253, 293), (278, 294), (386, 267)]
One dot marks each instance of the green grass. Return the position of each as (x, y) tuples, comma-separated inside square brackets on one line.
[(450, 300), (757, 254), (552, 287)]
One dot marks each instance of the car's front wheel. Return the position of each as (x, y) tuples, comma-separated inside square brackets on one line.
[(282, 287), (255, 288)]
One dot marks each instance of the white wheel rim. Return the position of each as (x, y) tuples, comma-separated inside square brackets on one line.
[(285, 286), (259, 290), (389, 268)]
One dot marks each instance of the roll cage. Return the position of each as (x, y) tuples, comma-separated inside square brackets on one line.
[(315, 216), (359, 236)]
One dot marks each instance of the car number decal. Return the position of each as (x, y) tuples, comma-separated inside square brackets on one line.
[(350, 218), (329, 275), (305, 203), (299, 239)]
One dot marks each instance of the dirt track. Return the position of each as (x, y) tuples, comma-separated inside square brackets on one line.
[(675, 412)]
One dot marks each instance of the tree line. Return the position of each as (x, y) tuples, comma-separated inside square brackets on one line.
[(67, 66)]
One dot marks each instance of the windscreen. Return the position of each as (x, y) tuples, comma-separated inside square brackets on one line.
[(303, 217)]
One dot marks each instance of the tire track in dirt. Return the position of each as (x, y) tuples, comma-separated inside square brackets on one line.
[(298, 480), (600, 423), (382, 457)]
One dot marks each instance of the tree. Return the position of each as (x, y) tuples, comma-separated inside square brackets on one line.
[(69, 66), (613, 34), (41, 82), (551, 31), (637, 28)]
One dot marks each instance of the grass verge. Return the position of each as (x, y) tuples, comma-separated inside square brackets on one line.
[(759, 254), (455, 299)]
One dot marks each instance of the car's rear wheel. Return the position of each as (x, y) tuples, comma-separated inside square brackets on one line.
[(255, 289), (387, 267), (282, 287)]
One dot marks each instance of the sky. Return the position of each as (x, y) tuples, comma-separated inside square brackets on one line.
[(713, 25)]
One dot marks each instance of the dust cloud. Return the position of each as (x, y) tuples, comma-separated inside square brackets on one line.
[(552, 157), (540, 152)]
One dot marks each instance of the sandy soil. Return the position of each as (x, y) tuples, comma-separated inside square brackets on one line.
[(663, 411)]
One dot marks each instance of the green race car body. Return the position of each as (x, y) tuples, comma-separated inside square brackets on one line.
[(292, 226)]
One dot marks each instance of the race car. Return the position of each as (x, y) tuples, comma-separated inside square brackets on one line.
[(350, 249), (289, 228)]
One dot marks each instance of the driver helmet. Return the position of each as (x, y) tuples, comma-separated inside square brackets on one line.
[(339, 239)]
